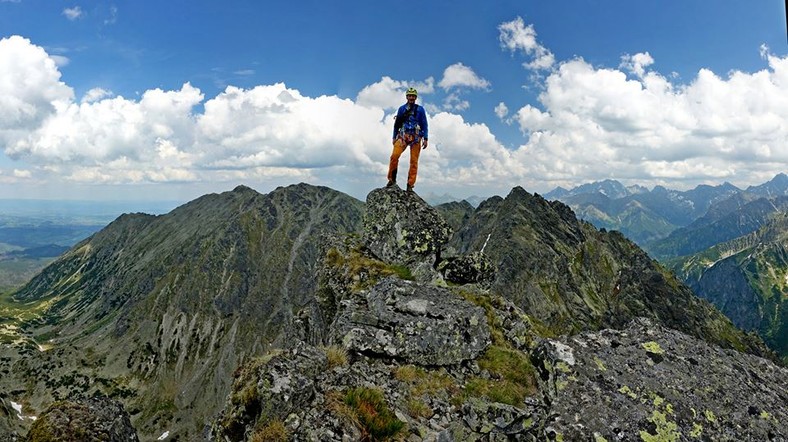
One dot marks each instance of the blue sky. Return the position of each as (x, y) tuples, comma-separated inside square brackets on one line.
[(171, 100)]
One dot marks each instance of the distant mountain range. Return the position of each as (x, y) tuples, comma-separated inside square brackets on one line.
[(720, 224), (729, 245), (650, 217), (747, 279), (434, 199)]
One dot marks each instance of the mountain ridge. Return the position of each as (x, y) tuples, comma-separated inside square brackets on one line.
[(179, 295), (160, 311), (747, 279), (589, 279), (648, 217)]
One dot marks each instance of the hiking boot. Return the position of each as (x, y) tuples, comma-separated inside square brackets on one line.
[(391, 183), (410, 188)]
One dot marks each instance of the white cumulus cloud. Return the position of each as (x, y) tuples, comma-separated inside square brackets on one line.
[(501, 110), (31, 89), (111, 129), (464, 155), (96, 94), (453, 102), (516, 36), (598, 123), (274, 126), (458, 75), (637, 63)]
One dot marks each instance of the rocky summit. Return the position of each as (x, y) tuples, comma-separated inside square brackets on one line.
[(402, 359), (399, 227), (305, 315)]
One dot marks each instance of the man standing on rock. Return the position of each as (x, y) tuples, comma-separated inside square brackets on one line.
[(410, 130)]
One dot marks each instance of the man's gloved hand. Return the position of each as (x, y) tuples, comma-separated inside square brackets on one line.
[(424, 143)]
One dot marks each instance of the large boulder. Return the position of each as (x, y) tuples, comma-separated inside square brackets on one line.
[(401, 228), (418, 323)]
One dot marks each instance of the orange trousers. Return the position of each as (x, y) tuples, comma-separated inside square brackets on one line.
[(400, 144)]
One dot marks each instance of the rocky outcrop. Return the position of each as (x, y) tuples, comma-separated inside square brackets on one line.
[(271, 389), (401, 228), (94, 419), (462, 363), (306, 391), (642, 383), (648, 382), (413, 322)]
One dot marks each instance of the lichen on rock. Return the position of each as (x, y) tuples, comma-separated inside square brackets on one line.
[(658, 394), (414, 322), (401, 228)]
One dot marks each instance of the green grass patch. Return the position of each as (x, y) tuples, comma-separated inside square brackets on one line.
[(378, 422), (402, 271), (274, 431), (513, 377), (423, 382), (486, 302), (363, 270), (418, 409), (336, 356)]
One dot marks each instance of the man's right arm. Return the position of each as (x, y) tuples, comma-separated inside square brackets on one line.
[(398, 122)]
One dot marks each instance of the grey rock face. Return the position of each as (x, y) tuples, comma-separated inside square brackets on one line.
[(271, 390), (418, 323), (94, 419), (401, 228), (647, 382), (471, 268), (322, 415), (725, 284)]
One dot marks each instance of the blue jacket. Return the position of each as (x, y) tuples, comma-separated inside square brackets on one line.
[(408, 121)]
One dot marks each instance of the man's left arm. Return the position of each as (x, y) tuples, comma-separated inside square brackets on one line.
[(425, 133)]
